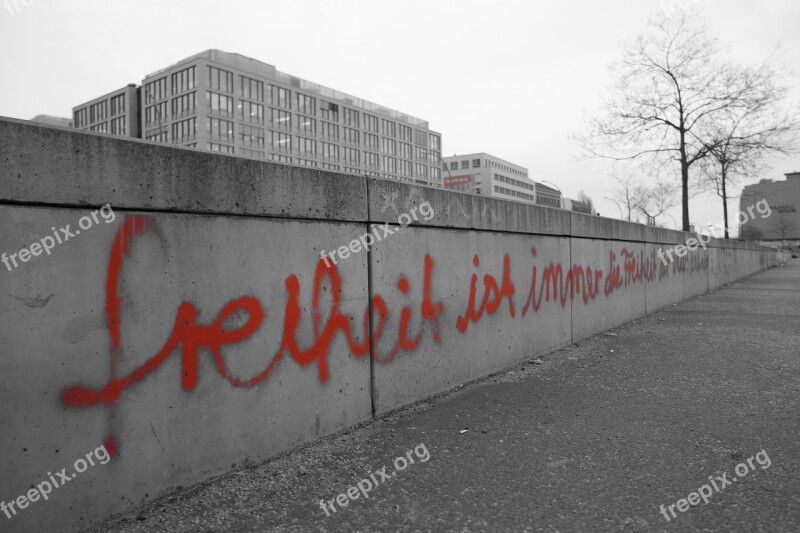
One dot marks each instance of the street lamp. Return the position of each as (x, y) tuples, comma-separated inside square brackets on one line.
[(561, 199), (621, 216)]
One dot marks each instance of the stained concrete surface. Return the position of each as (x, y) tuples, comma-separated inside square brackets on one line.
[(595, 437)]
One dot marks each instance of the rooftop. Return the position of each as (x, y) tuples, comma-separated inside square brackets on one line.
[(269, 71)]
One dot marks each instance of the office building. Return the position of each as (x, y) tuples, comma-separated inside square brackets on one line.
[(783, 221), (487, 175), (233, 104), (116, 113)]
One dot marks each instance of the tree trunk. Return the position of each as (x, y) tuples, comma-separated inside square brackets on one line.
[(725, 202), (684, 182)]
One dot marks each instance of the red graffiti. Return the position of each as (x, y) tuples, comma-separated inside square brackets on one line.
[(190, 337)]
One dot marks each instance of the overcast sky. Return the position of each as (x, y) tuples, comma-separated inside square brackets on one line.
[(511, 78)]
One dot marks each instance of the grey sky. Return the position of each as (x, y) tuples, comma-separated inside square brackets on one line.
[(511, 78)]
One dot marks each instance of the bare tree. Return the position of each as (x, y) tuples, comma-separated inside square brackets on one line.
[(623, 192), (739, 137), (654, 201), (668, 82), (586, 199), (784, 226)]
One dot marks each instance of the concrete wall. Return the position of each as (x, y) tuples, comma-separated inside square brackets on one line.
[(198, 328)]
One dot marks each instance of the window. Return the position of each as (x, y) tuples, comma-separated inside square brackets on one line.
[(476, 163), (370, 123), (330, 131), (159, 135), (251, 136), (220, 80), (81, 117), (185, 130), (306, 162), (155, 114), (224, 148), (436, 142), (405, 133), (329, 111), (155, 90), (371, 141), (98, 111), (220, 104), (183, 81), (371, 160), (280, 97), (388, 146), (306, 125), (183, 105), (435, 174), (388, 128), (351, 155), (350, 117), (100, 128), (281, 142), (220, 129), (420, 170), (281, 158), (330, 150), (405, 168), (405, 151), (117, 105), (307, 146), (328, 166), (251, 153), (251, 112), (306, 104), (464, 164), (351, 135), (421, 138), (388, 164), (454, 165), (281, 120), (252, 89)]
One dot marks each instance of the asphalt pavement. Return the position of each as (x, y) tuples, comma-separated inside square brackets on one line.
[(595, 437)]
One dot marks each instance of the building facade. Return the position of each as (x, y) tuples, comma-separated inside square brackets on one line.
[(484, 174), (233, 104), (116, 113), (783, 221)]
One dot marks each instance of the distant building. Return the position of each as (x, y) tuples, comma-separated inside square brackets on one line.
[(577, 206), (783, 197), (233, 104), (52, 121), (487, 175), (116, 113)]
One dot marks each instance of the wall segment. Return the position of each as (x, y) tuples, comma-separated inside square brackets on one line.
[(200, 328)]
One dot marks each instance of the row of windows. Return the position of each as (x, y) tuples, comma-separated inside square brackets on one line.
[(516, 194), (548, 200), (119, 126), (506, 168), (476, 163), (512, 181)]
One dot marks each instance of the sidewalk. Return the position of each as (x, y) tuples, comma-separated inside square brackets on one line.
[(595, 438)]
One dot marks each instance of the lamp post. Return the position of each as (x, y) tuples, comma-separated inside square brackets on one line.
[(561, 199), (621, 216)]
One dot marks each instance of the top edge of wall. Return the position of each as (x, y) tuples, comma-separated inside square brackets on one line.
[(52, 165)]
